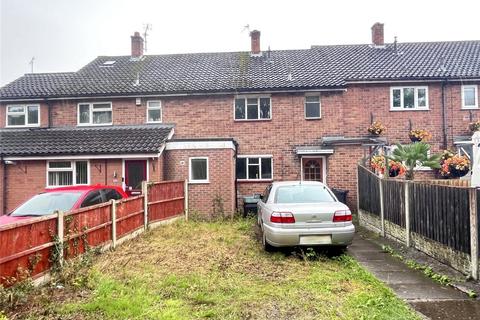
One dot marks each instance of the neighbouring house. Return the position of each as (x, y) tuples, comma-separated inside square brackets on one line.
[(231, 122)]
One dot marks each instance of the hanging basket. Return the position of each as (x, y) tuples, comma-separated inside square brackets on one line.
[(392, 173), (456, 173), (414, 138)]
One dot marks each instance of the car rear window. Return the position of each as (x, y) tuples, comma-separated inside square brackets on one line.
[(47, 203), (303, 194)]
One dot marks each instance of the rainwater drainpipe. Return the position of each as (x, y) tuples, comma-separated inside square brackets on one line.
[(444, 114), (4, 189)]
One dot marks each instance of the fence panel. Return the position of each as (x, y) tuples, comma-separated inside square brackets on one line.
[(441, 213), (26, 245), (165, 199), (368, 191), (394, 201), (129, 215), (91, 226)]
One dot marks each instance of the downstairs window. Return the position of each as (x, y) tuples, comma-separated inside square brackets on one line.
[(67, 173)]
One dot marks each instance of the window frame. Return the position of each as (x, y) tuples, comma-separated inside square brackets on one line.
[(73, 169), (245, 98), (474, 86), (190, 177), (259, 157), (155, 108), (90, 114), (402, 104), (319, 107), (25, 113)]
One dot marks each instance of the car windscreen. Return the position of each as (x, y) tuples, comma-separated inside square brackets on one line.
[(303, 194), (47, 203)]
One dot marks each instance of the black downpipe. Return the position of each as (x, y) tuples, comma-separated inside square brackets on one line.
[(444, 115), (235, 174), (4, 189)]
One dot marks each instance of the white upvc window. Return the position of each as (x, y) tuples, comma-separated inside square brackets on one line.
[(248, 108), (254, 167), (313, 108), (470, 97), (68, 173), (154, 111), (408, 98), (198, 170), (94, 114), (23, 115)]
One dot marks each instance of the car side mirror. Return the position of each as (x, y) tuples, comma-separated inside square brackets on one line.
[(258, 196)]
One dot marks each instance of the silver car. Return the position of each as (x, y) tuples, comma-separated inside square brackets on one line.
[(303, 213)]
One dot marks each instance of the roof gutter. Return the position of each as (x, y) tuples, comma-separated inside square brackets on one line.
[(410, 81), (219, 93)]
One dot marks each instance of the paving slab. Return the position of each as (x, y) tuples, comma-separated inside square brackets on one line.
[(426, 296)]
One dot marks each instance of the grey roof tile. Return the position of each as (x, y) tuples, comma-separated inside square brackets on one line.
[(83, 140), (318, 67)]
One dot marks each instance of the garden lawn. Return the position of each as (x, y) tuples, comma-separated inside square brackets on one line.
[(195, 270)]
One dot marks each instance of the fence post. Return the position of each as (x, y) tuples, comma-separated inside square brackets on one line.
[(185, 188), (473, 233), (145, 204), (407, 213), (114, 223), (382, 210), (60, 234)]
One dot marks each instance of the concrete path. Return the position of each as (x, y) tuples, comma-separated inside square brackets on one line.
[(423, 294)]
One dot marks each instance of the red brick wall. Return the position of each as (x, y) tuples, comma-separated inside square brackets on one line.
[(346, 113), (221, 178), (102, 171), (64, 113), (43, 113), (24, 179)]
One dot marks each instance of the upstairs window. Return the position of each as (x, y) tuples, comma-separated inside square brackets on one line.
[(154, 112), (23, 116), (470, 97), (253, 108), (99, 113), (67, 173), (409, 98), (312, 107), (254, 168)]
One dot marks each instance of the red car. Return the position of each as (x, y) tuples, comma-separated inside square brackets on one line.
[(63, 199)]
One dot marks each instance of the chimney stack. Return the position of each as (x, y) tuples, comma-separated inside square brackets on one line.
[(377, 35), (137, 45), (255, 37)]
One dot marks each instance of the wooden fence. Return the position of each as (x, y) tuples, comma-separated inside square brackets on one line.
[(31, 246), (439, 218)]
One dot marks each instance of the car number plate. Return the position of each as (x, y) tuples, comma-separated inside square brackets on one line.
[(324, 239)]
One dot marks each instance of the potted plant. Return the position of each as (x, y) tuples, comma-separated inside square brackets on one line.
[(455, 166), (418, 135), (376, 128), (474, 126), (413, 155), (395, 168)]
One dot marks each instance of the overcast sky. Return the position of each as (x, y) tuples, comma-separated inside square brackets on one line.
[(64, 35)]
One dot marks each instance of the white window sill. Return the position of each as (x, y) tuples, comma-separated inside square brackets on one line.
[(254, 180), (24, 126), (153, 122), (409, 109), (470, 108), (313, 118), (199, 182), (94, 124), (249, 120)]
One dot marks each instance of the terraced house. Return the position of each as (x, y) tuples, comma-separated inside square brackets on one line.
[(231, 122)]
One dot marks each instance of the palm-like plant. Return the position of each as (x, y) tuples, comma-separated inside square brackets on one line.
[(415, 154)]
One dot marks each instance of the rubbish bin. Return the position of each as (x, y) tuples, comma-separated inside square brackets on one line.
[(340, 194), (250, 205)]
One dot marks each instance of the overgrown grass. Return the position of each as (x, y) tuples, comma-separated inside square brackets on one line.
[(217, 270)]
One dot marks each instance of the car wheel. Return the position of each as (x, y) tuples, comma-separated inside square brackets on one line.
[(266, 246)]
